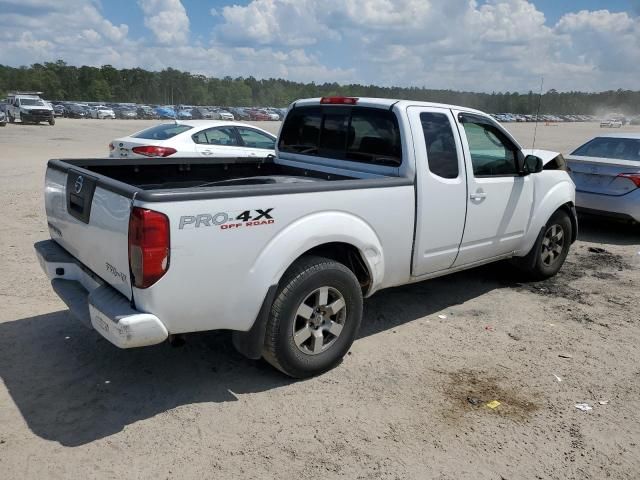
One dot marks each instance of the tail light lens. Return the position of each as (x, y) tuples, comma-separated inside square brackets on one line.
[(153, 151), (339, 100), (111, 147), (148, 246), (634, 177)]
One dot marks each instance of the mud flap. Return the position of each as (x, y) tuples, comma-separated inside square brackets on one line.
[(250, 343)]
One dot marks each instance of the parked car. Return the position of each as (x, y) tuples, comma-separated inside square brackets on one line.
[(224, 114), (58, 110), (74, 110), (259, 115), (201, 113), (240, 113), (146, 112), (195, 138), (102, 112), (184, 114), (364, 194), (610, 123), (3, 115), (126, 113), (606, 172), (164, 112)]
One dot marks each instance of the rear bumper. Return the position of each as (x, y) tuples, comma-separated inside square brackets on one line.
[(95, 303), (623, 206)]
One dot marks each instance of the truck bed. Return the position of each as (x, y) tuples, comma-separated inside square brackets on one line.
[(154, 174)]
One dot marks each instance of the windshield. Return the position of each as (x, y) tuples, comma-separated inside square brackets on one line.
[(162, 132), (32, 102), (611, 147)]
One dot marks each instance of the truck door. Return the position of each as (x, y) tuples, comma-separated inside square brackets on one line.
[(499, 199), (441, 189)]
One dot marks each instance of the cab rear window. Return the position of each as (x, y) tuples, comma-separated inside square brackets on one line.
[(162, 132), (358, 134)]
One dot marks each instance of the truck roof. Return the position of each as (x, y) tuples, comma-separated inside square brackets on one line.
[(387, 103)]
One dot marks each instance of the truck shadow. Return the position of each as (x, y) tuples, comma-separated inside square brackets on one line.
[(73, 387)]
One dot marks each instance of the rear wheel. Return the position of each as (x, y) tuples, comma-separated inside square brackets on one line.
[(11, 118), (550, 250), (314, 318)]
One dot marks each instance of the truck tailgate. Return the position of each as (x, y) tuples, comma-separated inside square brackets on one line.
[(91, 223)]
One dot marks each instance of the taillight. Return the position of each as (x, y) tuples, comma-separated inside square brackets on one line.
[(338, 100), (634, 177), (111, 147), (153, 151), (148, 246)]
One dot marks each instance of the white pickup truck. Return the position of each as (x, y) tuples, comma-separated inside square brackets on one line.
[(363, 194)]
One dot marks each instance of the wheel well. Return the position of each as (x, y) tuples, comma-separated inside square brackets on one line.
[(349, 256), (569, 208)]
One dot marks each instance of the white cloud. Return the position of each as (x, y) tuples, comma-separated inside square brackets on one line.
[(460, 44), (167, 19)]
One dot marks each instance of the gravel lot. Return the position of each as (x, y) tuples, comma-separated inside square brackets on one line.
[(408, 402)]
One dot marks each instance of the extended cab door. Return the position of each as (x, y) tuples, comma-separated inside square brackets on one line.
[(441, 189), (499, 199)]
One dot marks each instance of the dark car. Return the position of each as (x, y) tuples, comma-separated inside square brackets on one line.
[(126, 113), (146, 112), (200, 113), (58, 110), (240, 113), (76, 111)]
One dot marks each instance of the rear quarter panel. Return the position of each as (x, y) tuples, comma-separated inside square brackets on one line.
[(219, 274)]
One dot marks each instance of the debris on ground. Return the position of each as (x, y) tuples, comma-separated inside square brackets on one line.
[(557, 377), (442, 317), (596, 250), (603, 402), (474, 401), (565, 355), (493, 404), (585, 407)]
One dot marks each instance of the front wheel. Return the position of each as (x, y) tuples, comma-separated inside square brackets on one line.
[(52, 121), (314, 318), (550, 250)]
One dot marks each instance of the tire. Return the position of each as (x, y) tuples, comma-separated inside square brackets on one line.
[(303, 337), (550, 250), (11, 118), (52, 121)]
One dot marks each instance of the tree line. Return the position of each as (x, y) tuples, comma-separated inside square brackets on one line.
[(60, 81)]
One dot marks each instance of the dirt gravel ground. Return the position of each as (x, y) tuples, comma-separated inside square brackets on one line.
[(409, 401)]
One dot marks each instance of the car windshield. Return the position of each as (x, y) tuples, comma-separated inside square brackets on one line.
[(32, 102), (163, 132), (611, 147)]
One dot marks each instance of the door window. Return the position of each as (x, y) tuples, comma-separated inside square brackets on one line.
[(492, 154), (254, 139), (442, 155), (217, 136)]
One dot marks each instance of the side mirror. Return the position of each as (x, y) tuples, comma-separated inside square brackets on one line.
[(532, 164)]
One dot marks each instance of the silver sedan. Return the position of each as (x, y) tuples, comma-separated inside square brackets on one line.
[(606, 171)]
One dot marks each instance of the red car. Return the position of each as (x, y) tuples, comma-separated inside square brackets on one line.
[(259, 115)]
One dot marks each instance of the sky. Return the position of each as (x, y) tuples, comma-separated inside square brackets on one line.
[(474, 45)]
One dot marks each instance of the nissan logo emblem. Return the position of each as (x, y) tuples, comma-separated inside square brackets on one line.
[(79, 183)]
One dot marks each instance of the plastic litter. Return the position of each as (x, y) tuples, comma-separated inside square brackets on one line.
[(565, 355), (557, 377), (493, 404), (442, 317), (585, 407), (603, 402), (474, 401)]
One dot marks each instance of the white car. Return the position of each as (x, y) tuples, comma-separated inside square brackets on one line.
[(363, 194), (223, 115), (101, 112), (611, 123), (195, 138)]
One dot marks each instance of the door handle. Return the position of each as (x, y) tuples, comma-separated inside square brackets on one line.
[(207, 152), (478, 196)]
